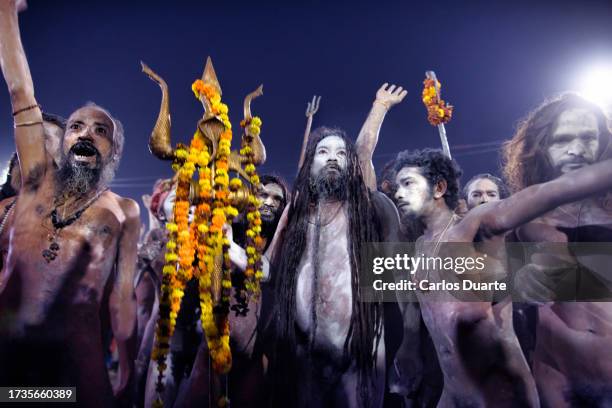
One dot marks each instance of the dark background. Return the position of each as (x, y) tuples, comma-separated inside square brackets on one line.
[(496, 63)]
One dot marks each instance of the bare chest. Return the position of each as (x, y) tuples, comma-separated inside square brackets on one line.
[(324, 292), (84, 255)]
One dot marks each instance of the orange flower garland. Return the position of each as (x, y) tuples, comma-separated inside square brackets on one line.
[(215, 321), (205, 238), (179, 260), (437, 111)]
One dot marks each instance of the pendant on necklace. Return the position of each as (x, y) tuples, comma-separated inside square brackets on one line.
[(51, 253)]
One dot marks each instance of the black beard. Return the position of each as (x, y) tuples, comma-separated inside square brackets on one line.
[(412, 226), (75, 178), (269, 217), (268, 228), (331, 183)]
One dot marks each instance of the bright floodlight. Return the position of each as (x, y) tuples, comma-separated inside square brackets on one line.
[(596, 85)]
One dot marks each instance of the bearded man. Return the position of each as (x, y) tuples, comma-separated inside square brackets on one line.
[(564, 135), (246, 380), (327, 345), (72, 246)]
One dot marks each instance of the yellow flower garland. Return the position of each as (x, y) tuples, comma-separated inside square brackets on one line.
[(215, 322), (205, 237), (179, 259), (254, 242)]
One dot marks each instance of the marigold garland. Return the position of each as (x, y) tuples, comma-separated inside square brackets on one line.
[(204, 239), (254, 242), (437, 111), (180, 251), (215, 321)]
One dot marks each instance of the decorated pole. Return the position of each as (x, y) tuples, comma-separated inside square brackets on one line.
[(438, 113), (198, 249)]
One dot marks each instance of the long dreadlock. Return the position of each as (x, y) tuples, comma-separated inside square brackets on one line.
[(365, 329)]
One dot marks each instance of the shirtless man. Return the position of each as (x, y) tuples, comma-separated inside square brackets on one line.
[(72, 247), (414, 374), (322, 332), (557, 139), (245, 380), (476, 345)]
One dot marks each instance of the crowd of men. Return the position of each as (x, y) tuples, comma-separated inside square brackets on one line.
[(79, 290)]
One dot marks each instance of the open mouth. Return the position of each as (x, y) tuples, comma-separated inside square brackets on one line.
[(265, 210), (84, 151)]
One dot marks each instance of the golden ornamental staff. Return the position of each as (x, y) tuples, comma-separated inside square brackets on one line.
[(438, 112), (198, 249)]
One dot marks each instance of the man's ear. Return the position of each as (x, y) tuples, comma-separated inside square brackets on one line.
[(440, 189), (386, 187)]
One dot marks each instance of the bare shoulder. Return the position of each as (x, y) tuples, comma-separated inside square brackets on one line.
[(125, 209), (130, 208), (383, 204)]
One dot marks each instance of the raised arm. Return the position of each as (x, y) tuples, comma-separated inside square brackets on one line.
[(122, 302), (311, 109), (29, 136), (505, 215), (386, 97)]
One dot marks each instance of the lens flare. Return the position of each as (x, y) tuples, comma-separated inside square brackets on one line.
[(596, 85)]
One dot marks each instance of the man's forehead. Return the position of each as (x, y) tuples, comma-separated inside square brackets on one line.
[(273, 188), (92, 114), (483, 184), (574, 119), (409, 171), (332, 141)]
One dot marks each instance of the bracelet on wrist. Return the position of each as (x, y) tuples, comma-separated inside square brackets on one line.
[(27, 108)]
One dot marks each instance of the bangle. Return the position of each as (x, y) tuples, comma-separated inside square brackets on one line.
[(30, 123), (27, 108), (385, 104)]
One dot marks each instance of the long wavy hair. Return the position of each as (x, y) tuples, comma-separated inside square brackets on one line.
[(525, 160), (365, 328)]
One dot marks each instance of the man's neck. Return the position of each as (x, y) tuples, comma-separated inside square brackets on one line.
[(437, 220), (69, 200)]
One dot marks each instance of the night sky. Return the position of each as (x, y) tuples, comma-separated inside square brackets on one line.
[(496, 62)]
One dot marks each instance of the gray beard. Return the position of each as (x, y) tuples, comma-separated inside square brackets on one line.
[(74, 179)]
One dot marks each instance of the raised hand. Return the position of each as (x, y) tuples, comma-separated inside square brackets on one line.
[(389, 95)]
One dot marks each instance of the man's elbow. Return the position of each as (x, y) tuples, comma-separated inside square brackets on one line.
[(364, 149), (21, 94)]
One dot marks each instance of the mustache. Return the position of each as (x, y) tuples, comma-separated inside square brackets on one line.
[(332, 166), (266, 207)]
